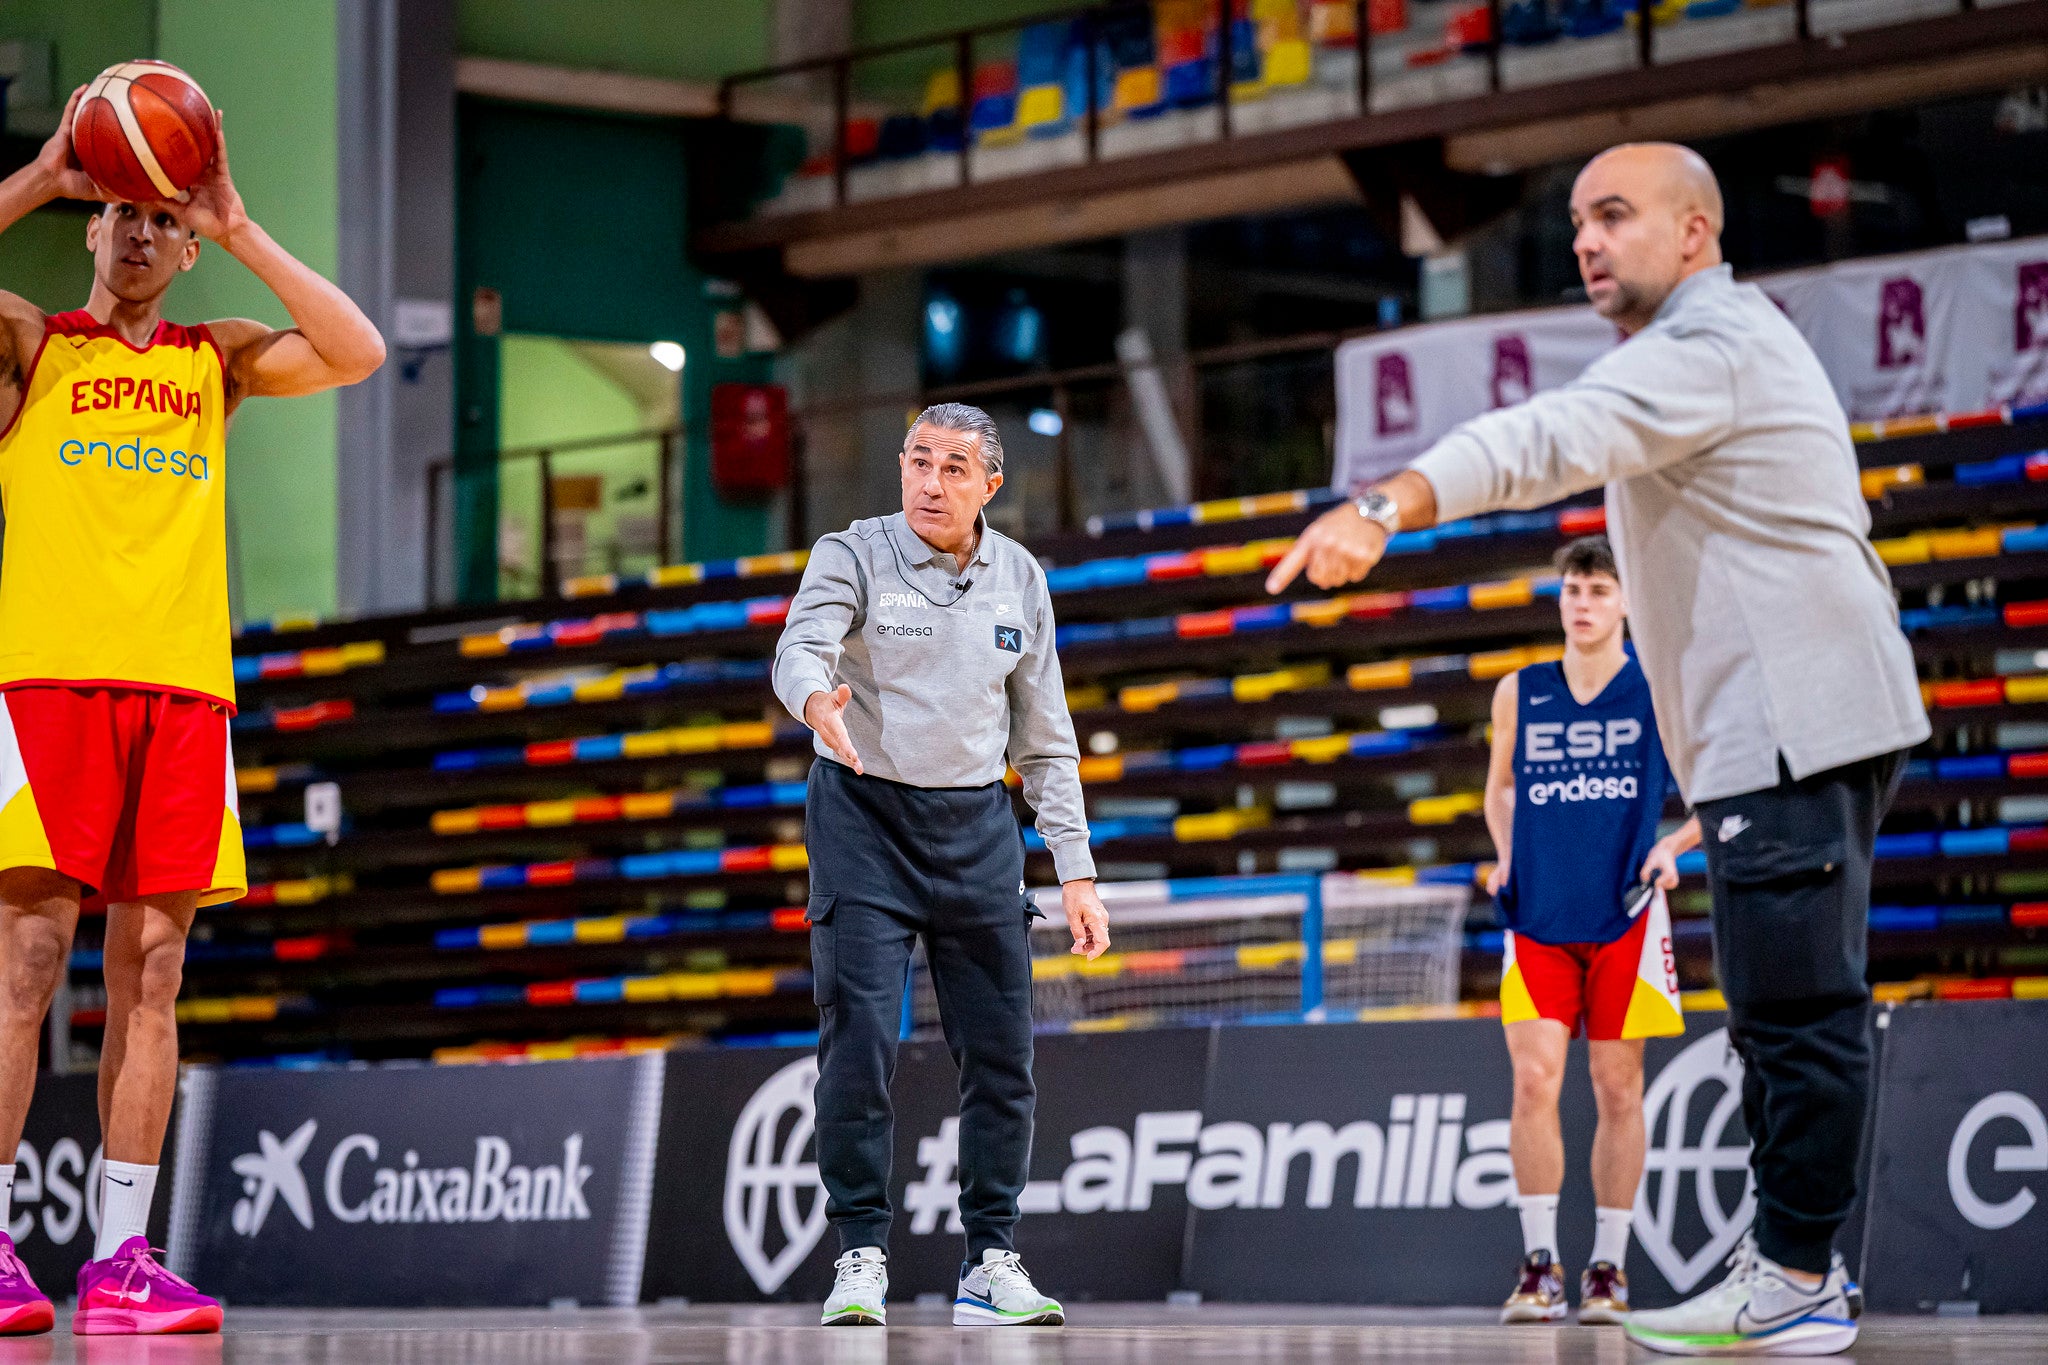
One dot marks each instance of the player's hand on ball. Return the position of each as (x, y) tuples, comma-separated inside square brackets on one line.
[(1339, 547), (58, 162), (1661, 867), (825, 712), (213, 207), (1086, 917)]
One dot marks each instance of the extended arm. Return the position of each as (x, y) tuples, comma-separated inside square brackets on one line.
[(1659, 398), (1500, 780), (828, 603)]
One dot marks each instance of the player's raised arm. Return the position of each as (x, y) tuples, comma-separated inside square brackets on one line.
[(332, 344), (54, 174)]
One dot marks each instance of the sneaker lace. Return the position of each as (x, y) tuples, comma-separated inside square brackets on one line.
[(142, 1262), (1534, 1271), (857, 1272), (1008, 1272), (10, 1264)]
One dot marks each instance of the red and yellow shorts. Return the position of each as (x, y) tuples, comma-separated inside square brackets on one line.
[(1624, 989), (128, 792)]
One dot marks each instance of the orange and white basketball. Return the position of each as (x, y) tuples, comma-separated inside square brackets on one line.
[(144, 130)]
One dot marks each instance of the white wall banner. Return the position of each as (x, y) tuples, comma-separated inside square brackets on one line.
[(1953, 330)]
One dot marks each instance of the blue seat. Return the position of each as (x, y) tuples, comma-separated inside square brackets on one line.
[(903, 138), (1190, 85)]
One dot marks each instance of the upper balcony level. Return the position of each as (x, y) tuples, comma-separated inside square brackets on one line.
[(1141, 113)]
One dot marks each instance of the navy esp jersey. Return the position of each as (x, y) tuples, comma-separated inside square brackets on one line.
[(1590, 783)]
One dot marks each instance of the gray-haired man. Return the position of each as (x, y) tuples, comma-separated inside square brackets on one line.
[(920, 649)]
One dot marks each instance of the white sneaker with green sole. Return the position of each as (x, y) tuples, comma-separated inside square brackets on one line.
[(999, 1293), (860, 1290), (1758, 1310)]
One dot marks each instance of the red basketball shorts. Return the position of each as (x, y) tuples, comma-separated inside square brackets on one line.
[(130, 793), (1624, 989)]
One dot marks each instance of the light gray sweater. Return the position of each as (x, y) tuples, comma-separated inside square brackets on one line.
[(1763, 618), (946, 681)]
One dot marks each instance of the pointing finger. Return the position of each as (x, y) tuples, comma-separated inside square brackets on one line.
[(1289, 565)]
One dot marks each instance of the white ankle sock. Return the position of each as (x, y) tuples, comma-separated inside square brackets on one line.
[(125, 1192), (1539, 1222), (1610, 1235), (6, 1195)]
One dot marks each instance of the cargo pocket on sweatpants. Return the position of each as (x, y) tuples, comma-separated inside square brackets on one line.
[(824, 960), (1782, 928)]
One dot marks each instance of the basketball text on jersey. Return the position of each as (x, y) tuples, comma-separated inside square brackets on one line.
[(114, 567)]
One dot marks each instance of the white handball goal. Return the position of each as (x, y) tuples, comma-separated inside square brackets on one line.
[(1242, 949)]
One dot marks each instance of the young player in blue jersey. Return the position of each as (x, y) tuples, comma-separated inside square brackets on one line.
[(1574, 793)]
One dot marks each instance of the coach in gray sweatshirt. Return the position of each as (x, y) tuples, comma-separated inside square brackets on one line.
[(920, 650), (1784, 690)]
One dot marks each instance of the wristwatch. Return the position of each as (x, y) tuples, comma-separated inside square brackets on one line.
[(1374, 505)]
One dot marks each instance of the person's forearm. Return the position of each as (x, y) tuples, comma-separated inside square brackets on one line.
[(1500, 821), (1414, 496), (326, 316), (22, 193), (1686, 837)]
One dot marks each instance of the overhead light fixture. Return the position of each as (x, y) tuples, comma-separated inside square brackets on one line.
[(1045, 422), (668, 355)]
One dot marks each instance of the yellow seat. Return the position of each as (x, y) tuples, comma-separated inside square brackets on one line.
[(1040, 106), (1373, 677), (1289, 62), (1138, 87), (941, 91)]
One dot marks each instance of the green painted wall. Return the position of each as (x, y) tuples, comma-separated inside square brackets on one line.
[(89, 35), (270, 66), (600, 252), (43, 259), (551, 394), (683, 39), (888, 21)]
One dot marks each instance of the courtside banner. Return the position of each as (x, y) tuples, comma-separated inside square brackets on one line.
[(740, 1208), (1959, 1199), (407, 1186), (1368, 1163), (56, 1205), (1332, 1162)]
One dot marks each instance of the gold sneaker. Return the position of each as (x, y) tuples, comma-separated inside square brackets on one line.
[(1603, 1294), (1539, 1293)]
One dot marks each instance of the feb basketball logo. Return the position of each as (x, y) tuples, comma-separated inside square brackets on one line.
[(2030, 307), (1514, 373), (1394, 411), (1901, 323)]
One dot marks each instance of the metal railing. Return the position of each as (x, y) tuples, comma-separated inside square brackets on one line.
[(1093, 22), (664, 448)]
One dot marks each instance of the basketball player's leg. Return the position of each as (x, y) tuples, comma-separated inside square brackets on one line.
[(38, 915), (1537, 1049), (1618, 1143), (173, 856)]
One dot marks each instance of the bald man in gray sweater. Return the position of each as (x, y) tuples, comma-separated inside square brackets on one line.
[(1784, 690)]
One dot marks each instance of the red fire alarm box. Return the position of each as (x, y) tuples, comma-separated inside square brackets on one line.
[(749, 438)]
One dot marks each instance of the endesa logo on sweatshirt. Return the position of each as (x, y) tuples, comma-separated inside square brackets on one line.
[(133, 456)]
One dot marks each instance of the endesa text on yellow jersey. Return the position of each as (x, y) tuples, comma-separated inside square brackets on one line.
[(113, 481)]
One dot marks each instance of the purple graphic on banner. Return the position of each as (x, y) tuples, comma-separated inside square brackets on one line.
[(1901, 324), (1394, 396), (1514, 374), (2030, 311)]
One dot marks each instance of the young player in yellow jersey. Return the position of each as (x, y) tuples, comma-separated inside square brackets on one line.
[(116, 684)]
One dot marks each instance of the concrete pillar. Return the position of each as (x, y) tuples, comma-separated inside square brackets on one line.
[(396, 144)]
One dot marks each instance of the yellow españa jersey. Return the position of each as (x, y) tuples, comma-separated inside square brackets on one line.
[(113, 480)]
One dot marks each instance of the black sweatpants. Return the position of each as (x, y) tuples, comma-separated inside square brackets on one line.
[(1790, 873), (889, 864)]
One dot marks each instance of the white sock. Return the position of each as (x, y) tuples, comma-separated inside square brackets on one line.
[(1539, 1222), (1610, 1235), (6, 1195), (125, 1192)]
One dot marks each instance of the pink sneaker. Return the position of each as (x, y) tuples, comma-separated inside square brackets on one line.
[(23, 1308), (129, 1294)]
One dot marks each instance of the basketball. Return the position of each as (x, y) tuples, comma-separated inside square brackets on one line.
[(144, 130)]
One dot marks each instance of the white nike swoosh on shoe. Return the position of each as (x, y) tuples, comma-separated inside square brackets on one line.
[(132, 1296)]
